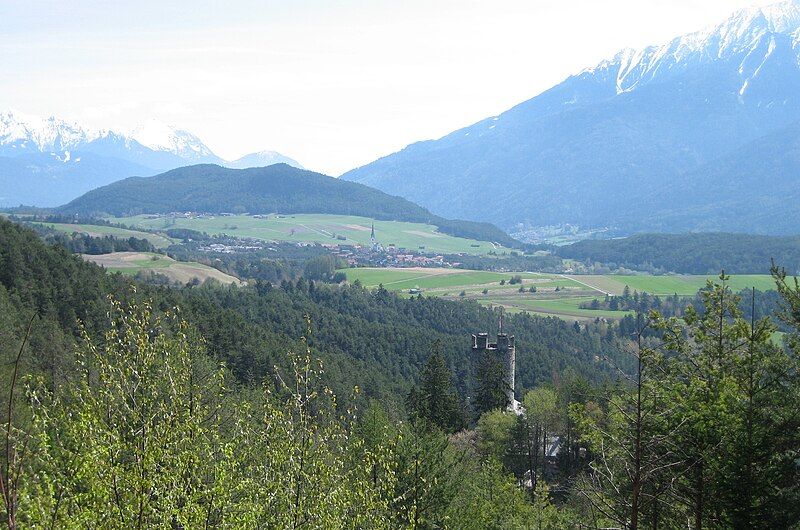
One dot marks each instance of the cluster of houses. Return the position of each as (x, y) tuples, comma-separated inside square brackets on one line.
[(236, 246), (363, 256), (355, 254)]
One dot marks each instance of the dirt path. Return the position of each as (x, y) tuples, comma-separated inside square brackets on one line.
[(420, 277), (592, 287)]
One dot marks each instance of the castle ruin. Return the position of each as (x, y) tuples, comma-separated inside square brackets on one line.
[(503, 350)]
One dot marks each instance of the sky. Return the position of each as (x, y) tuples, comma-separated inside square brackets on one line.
[(333, 84)]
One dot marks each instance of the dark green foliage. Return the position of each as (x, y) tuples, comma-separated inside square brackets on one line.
[(376, 340), (494, 262), (435, 400), (706, 430), (56, 285), (490, 391), (704, 253), (186, 233), (322, 268), (86, 244)]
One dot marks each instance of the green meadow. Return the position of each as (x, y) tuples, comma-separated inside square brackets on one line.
[(684, 285), (319, 228), (555, 294), (568, 308)]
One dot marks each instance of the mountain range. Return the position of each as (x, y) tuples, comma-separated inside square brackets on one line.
[(47, 162), (700, 133)]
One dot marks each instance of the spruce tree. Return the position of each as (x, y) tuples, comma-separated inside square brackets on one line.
[(436, 400), (490, 388)]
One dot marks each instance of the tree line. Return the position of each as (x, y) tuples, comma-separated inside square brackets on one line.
[(699, 253)]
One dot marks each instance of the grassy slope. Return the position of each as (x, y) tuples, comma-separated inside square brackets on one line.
[(667, 285), (399, 279), (322, 228), (157, 240), (133, 262)]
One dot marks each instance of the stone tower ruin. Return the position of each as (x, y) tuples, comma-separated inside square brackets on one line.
[(504, 351)]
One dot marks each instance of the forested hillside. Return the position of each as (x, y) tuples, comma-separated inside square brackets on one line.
[(705, 253), (207, 407), (279, 188)]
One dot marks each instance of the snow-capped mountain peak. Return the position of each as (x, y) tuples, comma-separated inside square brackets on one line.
[(783, 17), (753, 32), (159, 136), (27, 133), (152, 144)]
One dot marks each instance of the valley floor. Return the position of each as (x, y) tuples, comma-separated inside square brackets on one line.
[(538, 293)]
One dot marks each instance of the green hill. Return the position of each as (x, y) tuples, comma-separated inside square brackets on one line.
[(279, 188)]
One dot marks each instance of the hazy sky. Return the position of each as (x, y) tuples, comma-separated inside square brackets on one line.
[(332, 84)]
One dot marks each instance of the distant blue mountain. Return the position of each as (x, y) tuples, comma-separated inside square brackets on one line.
[(46, 180), (700, 133), (47, 162)]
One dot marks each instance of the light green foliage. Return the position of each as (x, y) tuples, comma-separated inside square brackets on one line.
[(372, 453), (293, 470), (146, 437), (490, 499), (495, 435), (133, 443), (538, 423)]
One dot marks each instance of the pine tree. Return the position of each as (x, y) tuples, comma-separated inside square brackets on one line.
[(490, 390), (436, 400)]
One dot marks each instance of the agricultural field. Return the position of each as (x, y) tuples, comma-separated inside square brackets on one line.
[(179, 271), (319, 228), (567, 308), (554, 294), (444, 281), (684, 285), (157, 240)]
